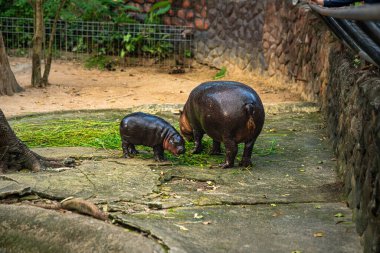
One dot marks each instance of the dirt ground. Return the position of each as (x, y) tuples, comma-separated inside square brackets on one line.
[(74, 87)]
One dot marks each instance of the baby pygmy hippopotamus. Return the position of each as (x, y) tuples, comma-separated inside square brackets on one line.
[(152, 131)]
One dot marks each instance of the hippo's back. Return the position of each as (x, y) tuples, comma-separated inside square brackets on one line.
[(144, 129), (227, 94)]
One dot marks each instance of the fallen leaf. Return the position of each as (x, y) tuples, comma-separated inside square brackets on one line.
[(319, 234), (197, 216), (273, 205), (296, 251), (182, 227), (206, 222), (339, 215), (317, 206)]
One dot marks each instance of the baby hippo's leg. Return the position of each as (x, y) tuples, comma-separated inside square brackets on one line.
[(159, 153)]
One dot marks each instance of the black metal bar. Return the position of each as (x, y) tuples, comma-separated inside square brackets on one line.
[(361, 38), (364, 12), (346, 38)]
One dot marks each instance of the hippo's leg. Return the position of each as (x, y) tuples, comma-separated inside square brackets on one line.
[(215, 148), (246, 158), (231, 151), (198, 135), (159, 153), (125, 145), (132, 149)]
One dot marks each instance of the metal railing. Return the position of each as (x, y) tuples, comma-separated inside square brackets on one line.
[(148, 44)]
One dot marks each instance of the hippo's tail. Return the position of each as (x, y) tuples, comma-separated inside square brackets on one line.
[(249, 108), (256, 117)]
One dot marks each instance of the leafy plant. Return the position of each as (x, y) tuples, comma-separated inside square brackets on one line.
[(160, 48), (130, 44), (98, 61), (221, 73), (157, 10), (80, 46), (188, 53), (356, 62)]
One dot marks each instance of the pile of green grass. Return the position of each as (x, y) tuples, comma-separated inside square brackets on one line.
[(104, 133), (69, 133)]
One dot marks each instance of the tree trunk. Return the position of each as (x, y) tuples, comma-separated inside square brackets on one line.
[(37, 44), (8, 83), (45, 78), (15, 155)]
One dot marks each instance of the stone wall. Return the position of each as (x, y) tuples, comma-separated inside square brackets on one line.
[(352, 109), (293, 45), (286, 42), (234, 37), (296, 46), (192, 13)]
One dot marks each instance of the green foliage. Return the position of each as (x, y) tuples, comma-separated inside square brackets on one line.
[(16, 8), (357, 62), (188, 53), (98, 61), (221, 73), (70, 133), (81, 10), (157, 10), (130, 44), (91, 10), (160, 48)]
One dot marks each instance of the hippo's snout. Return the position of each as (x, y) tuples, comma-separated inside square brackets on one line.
[(180, 150)]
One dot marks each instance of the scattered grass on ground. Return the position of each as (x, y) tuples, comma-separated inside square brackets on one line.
[(104, 134)]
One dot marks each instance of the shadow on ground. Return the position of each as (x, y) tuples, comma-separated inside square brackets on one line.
[(289, 201)]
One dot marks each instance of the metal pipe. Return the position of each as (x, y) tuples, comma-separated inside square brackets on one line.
[(364, 12), (346, 38), (361, 38), (372, 29)]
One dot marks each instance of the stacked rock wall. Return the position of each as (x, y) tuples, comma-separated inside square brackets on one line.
[(192, 13), (352, 109), (234, 37), (288, 42), (293, 45), (296, 46)]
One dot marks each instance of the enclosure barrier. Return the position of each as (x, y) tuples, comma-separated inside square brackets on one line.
[(128, 43)]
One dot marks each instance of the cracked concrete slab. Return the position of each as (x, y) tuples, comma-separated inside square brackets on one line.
[(102, 181), (286, 202), (31, 229), (257, 228)]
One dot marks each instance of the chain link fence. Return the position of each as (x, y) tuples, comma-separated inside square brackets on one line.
[(128, 44)]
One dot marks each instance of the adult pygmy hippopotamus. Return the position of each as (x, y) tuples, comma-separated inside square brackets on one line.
[(228, 112), (152, 131)]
